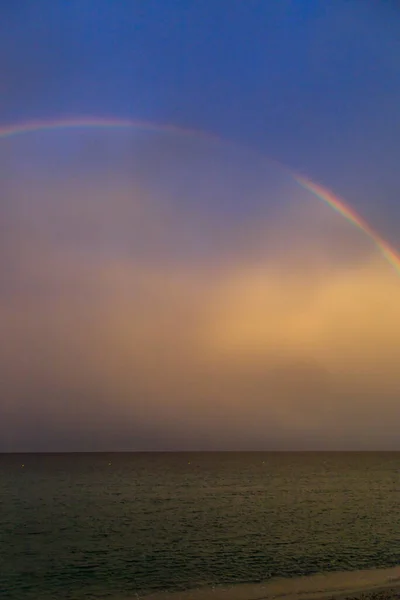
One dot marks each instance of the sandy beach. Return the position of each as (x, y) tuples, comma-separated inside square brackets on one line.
[(371, 584), (390, 593)]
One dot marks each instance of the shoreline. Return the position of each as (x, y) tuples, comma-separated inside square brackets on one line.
[(369, 584)]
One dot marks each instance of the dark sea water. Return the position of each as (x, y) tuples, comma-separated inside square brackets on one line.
[(78, 526)]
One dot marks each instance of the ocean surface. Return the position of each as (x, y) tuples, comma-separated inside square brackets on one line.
[(76, 526)]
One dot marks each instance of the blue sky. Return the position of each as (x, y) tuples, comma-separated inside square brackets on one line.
[(316, 84)]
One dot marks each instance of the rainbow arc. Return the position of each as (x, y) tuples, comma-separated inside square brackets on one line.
[(332, 200)]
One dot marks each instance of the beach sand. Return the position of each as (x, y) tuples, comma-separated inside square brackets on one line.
[(372, 584)]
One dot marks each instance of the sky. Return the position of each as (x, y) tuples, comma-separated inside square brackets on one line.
[(169, 292)]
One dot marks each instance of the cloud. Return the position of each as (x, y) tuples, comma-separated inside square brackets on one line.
[(130, 324)]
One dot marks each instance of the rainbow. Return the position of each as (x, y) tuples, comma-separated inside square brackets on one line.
[(336, 203), (98, 122), (348, 213)]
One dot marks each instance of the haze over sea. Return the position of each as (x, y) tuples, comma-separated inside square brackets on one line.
[(114, 525)]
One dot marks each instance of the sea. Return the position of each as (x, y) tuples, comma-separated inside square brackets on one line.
[(126, 525)]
